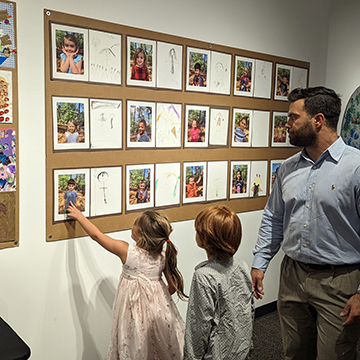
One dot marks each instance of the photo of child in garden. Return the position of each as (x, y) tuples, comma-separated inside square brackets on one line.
[(279, 133), (140, 123), (196, 126), (139, 186), (239, 179), (71, 187), (243, 75), (283, 81), (141, 61), (198, 65), (69, 52), (70, 122), (241, 127), (194, 183)]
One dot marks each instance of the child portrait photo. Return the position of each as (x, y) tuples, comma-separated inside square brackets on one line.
[(196, 129), (198, 65), (244, 75), (194, 182), (240, 173), (140, 124), (282, 82), (279, 133), (141, 62), (274, 166), (71, 185), (139, 186), (70, 123), (69, 52), (241, 130)]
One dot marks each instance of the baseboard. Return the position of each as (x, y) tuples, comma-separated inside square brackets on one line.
[(265, 309)]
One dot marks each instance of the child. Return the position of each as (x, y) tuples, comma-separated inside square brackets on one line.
[(142, 195), (70, 194), (244, 80), (139, 70), (281, 132), (191, 190), (239, 183), (198, 80), (142, 136), (71, 61), (239, 133), (283, 86), (146, 323), (194, 132), (72, 136), (219, 318)]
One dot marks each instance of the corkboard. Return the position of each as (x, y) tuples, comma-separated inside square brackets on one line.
[(9, 200), (100, 158)]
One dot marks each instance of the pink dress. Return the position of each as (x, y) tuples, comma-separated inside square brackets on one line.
[(146, 323)]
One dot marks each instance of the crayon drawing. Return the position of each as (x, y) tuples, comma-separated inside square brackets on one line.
[(217, 180), (167, 184), (168, 125)]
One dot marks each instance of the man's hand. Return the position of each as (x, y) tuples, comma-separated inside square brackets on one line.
[(257, 277), (352, 310)]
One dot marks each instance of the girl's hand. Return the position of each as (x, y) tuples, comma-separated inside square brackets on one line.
[(73, 211)]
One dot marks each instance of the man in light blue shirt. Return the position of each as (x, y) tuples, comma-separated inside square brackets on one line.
[(313, 212)]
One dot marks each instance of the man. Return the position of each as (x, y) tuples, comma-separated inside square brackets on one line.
[(314, 212)]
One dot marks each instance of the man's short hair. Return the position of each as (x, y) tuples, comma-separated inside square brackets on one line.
[(319, 100)]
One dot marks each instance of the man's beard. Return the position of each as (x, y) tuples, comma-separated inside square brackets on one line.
[(306, 136)]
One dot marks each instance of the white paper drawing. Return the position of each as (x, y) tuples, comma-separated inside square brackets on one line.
[(244, 76), (167, 184), (217, 174), (194, 179), (169, 65), (220, 74), (260, 128), (258, 178), (168, 125), (105, 124), (263, 79), (105, 57), (198, 67), (196, 126), (239, 179), (219, 126), (105, 191), (241, 128), (283, 81), (299, 78)]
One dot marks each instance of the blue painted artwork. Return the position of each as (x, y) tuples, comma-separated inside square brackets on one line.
[(350, 130)]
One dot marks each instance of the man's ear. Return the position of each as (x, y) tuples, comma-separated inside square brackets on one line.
[(319, 120)]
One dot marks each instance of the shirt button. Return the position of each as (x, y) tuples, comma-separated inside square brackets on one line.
[(308, 206), (310, 187), (314, 168), (305, 245), (305, 225)]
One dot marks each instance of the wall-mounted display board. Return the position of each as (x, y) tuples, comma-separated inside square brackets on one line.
[(139, 120), (9, 171)]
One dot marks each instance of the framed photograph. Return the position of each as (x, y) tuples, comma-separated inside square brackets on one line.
[(220, 74), (258, 178), (167, 184), (71, 185), (299, 78), (7, 160), (217, 174), (105, 124), (168, 125), (194, 180), (239, 179), (140, 124), (69, 49), (274, 166), (260, 128), (169, 65), (219, 127), (106, 187), (6, 98), (196, 126), (283, 79), (244, 76), (141, 62), (263, 79), (241, 128), (139, 186), (197, 69), (280, 136), (70, 123), (105, 57)]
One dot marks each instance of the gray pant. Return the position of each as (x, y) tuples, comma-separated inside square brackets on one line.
[(309, 304)]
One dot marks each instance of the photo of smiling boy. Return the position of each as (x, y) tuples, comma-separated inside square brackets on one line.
[(142, 136)]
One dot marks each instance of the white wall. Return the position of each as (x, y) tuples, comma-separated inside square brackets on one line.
[(58, 296)]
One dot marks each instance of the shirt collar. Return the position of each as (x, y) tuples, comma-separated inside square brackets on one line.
[(335, 150), (214, 260)]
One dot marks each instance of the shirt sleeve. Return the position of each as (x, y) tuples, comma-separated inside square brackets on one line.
[(271, 229), (199, 318)]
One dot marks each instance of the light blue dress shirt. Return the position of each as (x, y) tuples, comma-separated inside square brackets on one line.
[(314, 210)]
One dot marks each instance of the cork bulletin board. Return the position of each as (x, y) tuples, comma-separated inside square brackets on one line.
[(9, 170), (109, 104)]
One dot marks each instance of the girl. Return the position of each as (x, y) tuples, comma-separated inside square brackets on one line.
[(139, 70), (72, 136), (146, 322), (219, 317), (281, 132), (239, 183), (71, 61)]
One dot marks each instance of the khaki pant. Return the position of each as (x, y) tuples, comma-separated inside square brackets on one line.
[(309, 304)]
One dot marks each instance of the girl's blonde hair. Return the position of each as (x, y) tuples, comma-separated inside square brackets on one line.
[(71, 122), (136, 55), (154, 230)]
